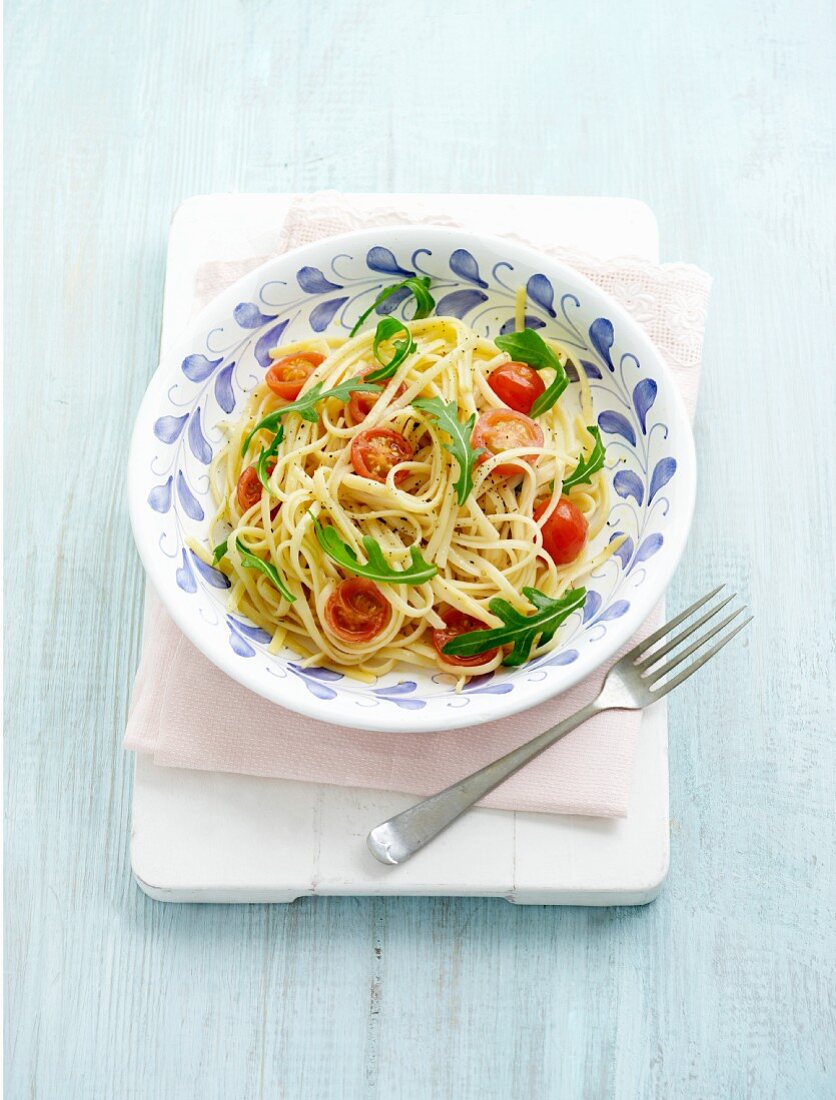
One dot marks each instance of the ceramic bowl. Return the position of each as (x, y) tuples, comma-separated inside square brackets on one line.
[(324, 287)]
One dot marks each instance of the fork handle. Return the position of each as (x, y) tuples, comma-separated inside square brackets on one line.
[(395, 840)]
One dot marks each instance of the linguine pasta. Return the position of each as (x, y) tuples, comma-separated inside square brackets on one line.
[(489, 546)]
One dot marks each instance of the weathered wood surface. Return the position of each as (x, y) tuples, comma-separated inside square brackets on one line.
[(721, 118)]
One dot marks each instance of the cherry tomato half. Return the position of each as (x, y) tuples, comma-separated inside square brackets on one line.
[(517, 384), (357, 610), (455, 623), (501, 429), (361, 404), (375, 451), (564, 532), (287, 376), (249, 490)]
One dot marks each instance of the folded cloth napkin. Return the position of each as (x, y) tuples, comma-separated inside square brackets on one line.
[(188, 714)]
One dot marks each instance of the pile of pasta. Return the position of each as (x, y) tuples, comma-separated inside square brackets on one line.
[(486, 546)]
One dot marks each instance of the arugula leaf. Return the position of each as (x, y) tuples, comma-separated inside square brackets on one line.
[(446, 417), (387, 329), (587, 466), (529, 347), (251, 561), (547, 399), (305, 406), (261, 467), (377, 568), (519, 630), (419, 288)]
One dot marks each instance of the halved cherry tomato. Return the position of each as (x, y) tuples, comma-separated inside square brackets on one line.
[(517, 384), (357, 610), (375, 451), (501, 429), (564, 532), (249, 490), (361, 404), (455, 623), (287, 376)]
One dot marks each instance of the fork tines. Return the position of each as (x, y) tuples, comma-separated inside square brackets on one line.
[(646, 657)]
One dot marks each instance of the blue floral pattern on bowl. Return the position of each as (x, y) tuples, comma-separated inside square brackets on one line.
[(641, 419)]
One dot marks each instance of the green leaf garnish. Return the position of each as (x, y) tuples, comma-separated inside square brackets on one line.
[(251, 561), (420, 290), (305, 406), (587, 466), (387, 329), (545, 401), (261, 467), (519, 630), (377, 568), (446, 418), (529, 347)]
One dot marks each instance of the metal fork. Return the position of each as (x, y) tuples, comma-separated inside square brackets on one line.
[(636, 681)]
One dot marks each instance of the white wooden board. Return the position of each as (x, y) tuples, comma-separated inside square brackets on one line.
[(214, 837)]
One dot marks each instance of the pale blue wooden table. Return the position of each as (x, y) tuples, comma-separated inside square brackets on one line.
[(720, 116)]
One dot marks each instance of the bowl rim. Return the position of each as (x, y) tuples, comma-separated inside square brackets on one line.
[(483, 709)]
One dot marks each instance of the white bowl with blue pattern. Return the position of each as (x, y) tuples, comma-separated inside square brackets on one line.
[(324, 287)]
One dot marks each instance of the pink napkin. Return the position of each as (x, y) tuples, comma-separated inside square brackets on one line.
[(188, 714)]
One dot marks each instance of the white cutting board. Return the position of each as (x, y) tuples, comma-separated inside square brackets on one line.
[(215, 837)]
